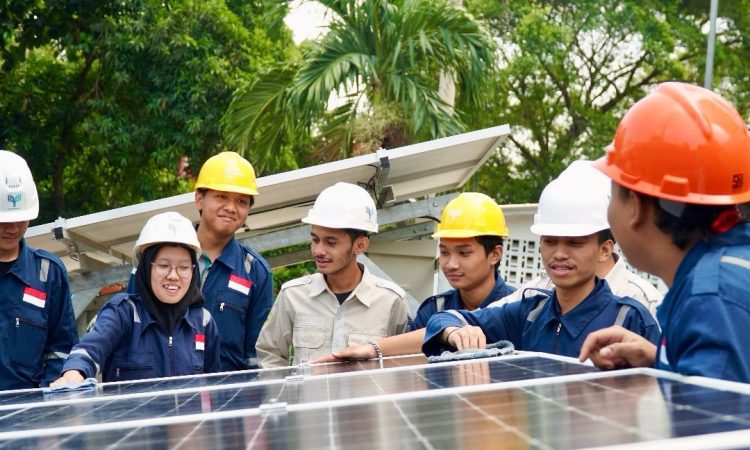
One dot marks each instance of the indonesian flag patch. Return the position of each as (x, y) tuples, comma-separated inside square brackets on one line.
[(35, 297), (239, 284), (200, 341)]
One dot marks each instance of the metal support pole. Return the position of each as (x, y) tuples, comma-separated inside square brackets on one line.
[(708, 81)]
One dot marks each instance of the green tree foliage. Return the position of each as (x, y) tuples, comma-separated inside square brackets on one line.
[(104, 97), (569, 69), (383, 59)]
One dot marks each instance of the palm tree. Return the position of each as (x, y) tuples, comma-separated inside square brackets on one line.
[(383, 59)]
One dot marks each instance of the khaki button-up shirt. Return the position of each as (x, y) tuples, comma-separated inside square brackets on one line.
[(622, 282), (308, 318)]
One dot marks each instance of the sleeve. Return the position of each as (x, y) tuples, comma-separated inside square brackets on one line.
[(261, 300), (212, 355), (641, 322), (89, 355), (62, 332), (425, 311), (399, 317), (696, 348), (496, 324), (275, 336)]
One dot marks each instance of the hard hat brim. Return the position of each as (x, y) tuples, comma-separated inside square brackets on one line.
[(328, 222), (20, 215), (566, 230), (227, 188)]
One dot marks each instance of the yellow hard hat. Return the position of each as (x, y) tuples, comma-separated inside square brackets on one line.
[(228, 172), (471, 214)]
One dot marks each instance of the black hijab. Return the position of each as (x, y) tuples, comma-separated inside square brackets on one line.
[(166, 314)]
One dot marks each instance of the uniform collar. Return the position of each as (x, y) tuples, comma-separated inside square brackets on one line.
[(23, 268), (496, 293), (578, 318), (230, 255), (365, 291), (618, 275)]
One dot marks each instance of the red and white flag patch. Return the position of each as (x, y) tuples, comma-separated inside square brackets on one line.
[(200, 341), (35, 297), (239, 284)]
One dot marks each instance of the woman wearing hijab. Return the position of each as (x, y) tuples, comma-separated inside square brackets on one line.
[(162, 330)]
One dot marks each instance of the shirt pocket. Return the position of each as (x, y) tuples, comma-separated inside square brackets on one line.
[(308, 338), (362, 338), (198, 361), (29, 337), (136, 365), (230, 314)]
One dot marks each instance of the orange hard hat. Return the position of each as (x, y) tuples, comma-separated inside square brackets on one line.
[(682, 143)]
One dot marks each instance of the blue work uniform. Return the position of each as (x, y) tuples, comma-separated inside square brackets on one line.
[(705, 316), (238, 289), (126, 343), (38, 326), (452, 300), (535, 323)]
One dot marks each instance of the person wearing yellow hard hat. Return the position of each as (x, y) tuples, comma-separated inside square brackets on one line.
[(569, 226), (679, 164), (471, 233), (343, 303), (237, 281)]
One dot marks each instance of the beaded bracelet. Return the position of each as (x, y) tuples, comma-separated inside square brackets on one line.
[(375, 345)]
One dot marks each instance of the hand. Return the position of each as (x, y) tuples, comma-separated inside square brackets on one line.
[(353, 352), (615, 347), (465, 337), (71, 376)]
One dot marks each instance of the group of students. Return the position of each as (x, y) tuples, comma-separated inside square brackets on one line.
[(668, 190)]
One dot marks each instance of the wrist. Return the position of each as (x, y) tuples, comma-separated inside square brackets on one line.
[(447, 334), (374, 344)]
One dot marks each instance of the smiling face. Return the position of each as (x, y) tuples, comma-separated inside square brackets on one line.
[(333, 250), (171, 287), (571, 262), (465, 263), (10, 239), (222, 212)]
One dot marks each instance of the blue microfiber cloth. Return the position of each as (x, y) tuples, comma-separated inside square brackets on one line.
[(85, 385), (496, 349)]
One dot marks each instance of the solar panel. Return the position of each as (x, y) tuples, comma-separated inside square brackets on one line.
[(521, 401)]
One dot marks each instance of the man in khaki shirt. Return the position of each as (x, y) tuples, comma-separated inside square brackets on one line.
[(341, 304)]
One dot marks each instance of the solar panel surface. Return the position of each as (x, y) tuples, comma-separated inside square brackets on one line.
[(523, 401)]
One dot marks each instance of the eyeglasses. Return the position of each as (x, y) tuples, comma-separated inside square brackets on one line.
[(163, 270)]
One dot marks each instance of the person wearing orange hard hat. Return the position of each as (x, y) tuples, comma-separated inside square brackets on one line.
[(680, 166)]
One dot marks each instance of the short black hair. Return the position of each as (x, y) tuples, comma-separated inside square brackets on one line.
[(605, 235), (489, 243), (354, 233), (694, 219)]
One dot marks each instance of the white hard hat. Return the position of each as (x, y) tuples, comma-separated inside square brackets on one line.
[(166, 227), (18, 198), (574, 204), (344, 205)]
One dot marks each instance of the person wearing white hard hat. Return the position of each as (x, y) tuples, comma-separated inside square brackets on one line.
[(38, 323), (592, 207), (559, 320), (161, 330), (341, 304)]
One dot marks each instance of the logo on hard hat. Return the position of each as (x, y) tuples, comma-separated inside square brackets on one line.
[(737, 181), (370, 212), (173, 228), (453, 213), (14, 199)]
